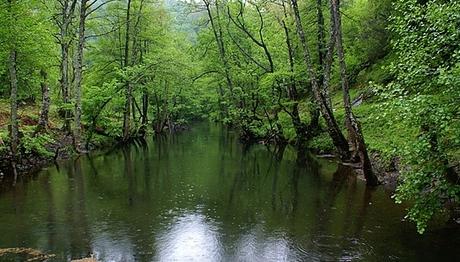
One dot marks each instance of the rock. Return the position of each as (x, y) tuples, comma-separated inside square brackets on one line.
[(88, 259)]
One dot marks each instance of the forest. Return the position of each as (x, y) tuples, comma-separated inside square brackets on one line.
[(374, 83)]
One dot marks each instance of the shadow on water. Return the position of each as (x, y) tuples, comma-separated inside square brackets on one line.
[(202, 196)]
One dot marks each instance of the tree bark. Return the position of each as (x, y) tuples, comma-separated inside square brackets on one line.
[(216, 29), (14, 103), (65, 85), (321, 36), (354, 131), (128, 91), (145, 109), (314, 111), (45, 108), (334, 131), (79, 74), (299, 127), (66, 15)]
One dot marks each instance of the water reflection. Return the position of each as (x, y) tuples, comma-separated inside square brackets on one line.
[(190, 237), (201, 196)]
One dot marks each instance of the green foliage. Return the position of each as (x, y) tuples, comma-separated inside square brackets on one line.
[(26, 27), (425, 95), (4, 136), (31, 144), (321, 143)]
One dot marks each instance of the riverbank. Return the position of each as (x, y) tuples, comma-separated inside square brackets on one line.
[(55, 145), (37, 150), (40, 150), (384, 137)]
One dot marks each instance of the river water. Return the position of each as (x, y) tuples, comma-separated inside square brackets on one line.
[(202, 196)]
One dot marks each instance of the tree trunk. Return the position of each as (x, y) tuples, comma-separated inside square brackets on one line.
[(66, 15), (355, 134), (128, 92), (133, 111), (145, 109), (127, 112), (65, 85), (44, 112), (79, 75), (220, 44), (299, 127), (14, 103), (321, 45), (334, 131), (314, 111)]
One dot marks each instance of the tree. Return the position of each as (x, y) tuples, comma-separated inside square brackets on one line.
[(13, 77), (355, 134), (79, 71), (46, 101), (128, 92), (335, 133), (425, 95), (63, 19)]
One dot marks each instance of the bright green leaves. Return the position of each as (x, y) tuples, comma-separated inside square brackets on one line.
[(26, 27), (426, 94)]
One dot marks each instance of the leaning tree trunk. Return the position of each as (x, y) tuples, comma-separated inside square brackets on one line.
[(334, 131), (79, 74), (44, 111), (299, 127), (217, 31), (354, 130)]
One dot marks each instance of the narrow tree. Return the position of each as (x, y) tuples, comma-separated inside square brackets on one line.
[(354, 130), (13, 81), (334, 131), (301, 128), (45, 107), (128, 90), (14, 102), (63, 20), (217, 31), (79, 73)]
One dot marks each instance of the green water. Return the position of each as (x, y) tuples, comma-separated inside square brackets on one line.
[(202, 196)]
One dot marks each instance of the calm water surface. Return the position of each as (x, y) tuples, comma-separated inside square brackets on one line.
[(202, 196)]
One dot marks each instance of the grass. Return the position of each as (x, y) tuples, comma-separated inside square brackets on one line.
[(383, 135)]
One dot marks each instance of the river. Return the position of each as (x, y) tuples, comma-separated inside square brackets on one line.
[(202, 196)]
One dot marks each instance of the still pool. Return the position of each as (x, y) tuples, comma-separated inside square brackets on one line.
[(202, 196)]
